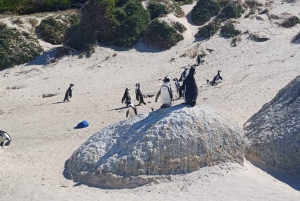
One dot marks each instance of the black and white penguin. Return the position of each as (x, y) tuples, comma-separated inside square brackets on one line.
[(132, 111), (190, 87), (138, 94), (126, 97), (5, 139), (68, 93), (199, 60), (177, 85), (216, 78), (165, 92)]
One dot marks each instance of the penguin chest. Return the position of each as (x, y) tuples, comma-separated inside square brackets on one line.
[(165, 95), (131, 112)]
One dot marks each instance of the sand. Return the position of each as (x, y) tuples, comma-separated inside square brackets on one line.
[(42, 128)]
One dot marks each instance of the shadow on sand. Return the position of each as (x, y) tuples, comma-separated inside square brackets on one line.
[(276, 173)]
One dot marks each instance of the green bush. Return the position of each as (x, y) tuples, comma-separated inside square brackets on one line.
[(252, 12), (179, 27), (290, 22), (157, 9), (177, 10), (16, 47), (209, 30), (204, 10), (35, 6), (52, 30), (253, 4), (161, 35), (229, 31), (232, 10)]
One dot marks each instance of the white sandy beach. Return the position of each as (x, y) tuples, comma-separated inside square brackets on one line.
[(42, 128)]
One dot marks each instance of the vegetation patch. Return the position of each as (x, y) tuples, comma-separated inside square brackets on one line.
[(36, 6), (52, 29), (177, 10), (234, 41), (179, 27), (290, 22), (101, 21), (161, 35), (229, 31), (252, 12), (16, 47), (204, 10), (209, 30), (253, 4), (232, 10), (157, 9)]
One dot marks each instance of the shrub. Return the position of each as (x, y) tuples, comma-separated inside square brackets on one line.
[(17, 21), (209, 30), (35, 6), (204, 10), (157, 9), (234, 41), (161, 35), (52, 31), (131, 21), (290, 22), (177, 10), (229, 31), (232, 10), (252, 12), (253, 3), (179, 27), (16, 47)]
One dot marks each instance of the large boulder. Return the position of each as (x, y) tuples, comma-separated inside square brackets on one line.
[(175, 140), (273, 133)]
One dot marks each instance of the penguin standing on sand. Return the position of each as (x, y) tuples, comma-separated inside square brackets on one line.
[(190, 87), (165, 92), (182, 77), (132, 111), (68, 93), (198, 59), (126, 96), (177, 85), (5, 139), (216, 78), (138, 94)]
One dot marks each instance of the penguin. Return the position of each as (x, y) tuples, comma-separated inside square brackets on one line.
[(138, 94), (165, 92), (177, 85), (190, 87), (216, 78), (199, 60), (5, 139), (68, 93), (132, 111), (182, 77), (126, 96)]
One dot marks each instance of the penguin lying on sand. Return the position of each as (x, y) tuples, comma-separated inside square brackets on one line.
[(5, 139), (68, 93), (216, 78), (165, 92), (132, 111), (139, 95), (190, 86), (126, 96)]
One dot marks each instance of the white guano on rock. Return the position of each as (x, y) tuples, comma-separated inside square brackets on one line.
[(273, 133), (175, 140)]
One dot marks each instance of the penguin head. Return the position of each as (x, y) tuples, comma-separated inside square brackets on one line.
[(137, 85), (184, 74), (167, 79), (129, 103), (175, 79), (127, 89), (219, 71), (71, 85)]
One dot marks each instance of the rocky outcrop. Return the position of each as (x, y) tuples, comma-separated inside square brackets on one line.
[(175, 140), (273, 134)]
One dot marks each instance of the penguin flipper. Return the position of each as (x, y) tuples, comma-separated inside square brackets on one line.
[(135, 111), (137, 97), (157, 95), (127, 113)]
